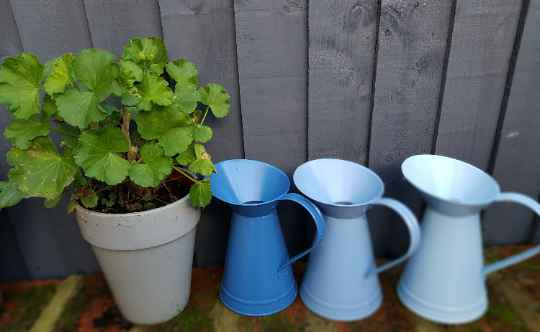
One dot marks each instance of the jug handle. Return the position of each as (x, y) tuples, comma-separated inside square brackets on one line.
[(317, 217), (533, 205), (412, 225)]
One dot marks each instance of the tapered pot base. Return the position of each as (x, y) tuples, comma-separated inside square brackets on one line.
[(258, 308), (439, 314), (340, 312)]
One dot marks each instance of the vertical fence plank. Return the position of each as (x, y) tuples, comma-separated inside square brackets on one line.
[(482, 43), (410, 62), (49, 239), (271, 38), (203, 32), (342, 36), (114, 22), (12, 266), (517, 162)]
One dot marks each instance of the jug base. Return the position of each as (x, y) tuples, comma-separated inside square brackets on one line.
[(258, 308), (439, 314), (344, 313)]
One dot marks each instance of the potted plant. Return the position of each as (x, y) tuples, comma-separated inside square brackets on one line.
[(139, 221)]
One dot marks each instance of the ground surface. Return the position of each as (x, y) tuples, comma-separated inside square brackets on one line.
[(514, 296)]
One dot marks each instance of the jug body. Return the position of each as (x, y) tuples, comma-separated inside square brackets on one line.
[(258, 278), (444, 279), (337, 283), (341, 280), (252, 282)]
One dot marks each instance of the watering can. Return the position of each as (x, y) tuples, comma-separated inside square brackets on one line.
[(444, 280), (258, 278), (341, 280)]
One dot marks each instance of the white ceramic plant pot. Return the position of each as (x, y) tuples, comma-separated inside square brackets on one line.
[(146, 257)]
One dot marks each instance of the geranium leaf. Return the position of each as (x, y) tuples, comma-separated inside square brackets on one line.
[(21, 132), (51, 202), (130, 72), (61, 75), (90, 200), (79, 108), (97, 154), (96, 69), (156, 166), (70, 134), (202, 166), (152, 51), (186, 96), (183, 71), (217, 98), (10, 195), (159, 120), (201, 133), (187, 156), (50, 109), (176, 140), (153, 88), (40, 171), (130, 97), (200, 193), (79, 180), (49, 68), (71, 206), (19, 84)]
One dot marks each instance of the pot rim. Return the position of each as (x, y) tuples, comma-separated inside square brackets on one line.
[(79, 207)]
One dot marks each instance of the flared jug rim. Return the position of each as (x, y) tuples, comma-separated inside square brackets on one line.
[(490, 185), (254, 204), (377, 195)]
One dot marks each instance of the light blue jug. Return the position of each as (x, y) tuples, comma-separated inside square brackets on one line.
[(444, 280), (258, 278), (341, 280)]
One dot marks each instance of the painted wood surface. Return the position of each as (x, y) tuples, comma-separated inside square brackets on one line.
[(113, 23), (482, 44), (272, 40), (49, 240), (410, 60), (371, 81), (203, 32), (12, 265), (517, 164), (341, 64)]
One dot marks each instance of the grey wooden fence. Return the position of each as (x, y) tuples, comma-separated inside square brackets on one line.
[(370, 81)]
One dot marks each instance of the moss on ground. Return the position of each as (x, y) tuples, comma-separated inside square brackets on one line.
[(30, 304)]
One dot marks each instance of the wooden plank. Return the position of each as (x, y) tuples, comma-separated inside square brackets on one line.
[(49, 239), (518, 161), (410, 62), (203, 32), (12, 266), (51, 28), (482, 43), (113, 23), (342, 37), (272, 40)]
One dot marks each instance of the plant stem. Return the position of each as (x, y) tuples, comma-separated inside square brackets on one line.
[(187, 175), (207, 108), (133, 150)]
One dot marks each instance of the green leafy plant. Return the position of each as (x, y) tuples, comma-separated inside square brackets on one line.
[(101, 156)]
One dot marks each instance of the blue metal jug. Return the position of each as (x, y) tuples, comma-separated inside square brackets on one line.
[(341, 280), (258, 278), (444, 280)]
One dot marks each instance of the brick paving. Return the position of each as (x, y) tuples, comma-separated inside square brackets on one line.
[(514, 296)]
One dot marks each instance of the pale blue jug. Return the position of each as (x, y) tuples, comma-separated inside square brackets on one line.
[(444, 280), (341, 280), (258, 278)]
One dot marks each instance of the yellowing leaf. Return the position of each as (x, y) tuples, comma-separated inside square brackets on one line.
[(61, 75), (40, 171)]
